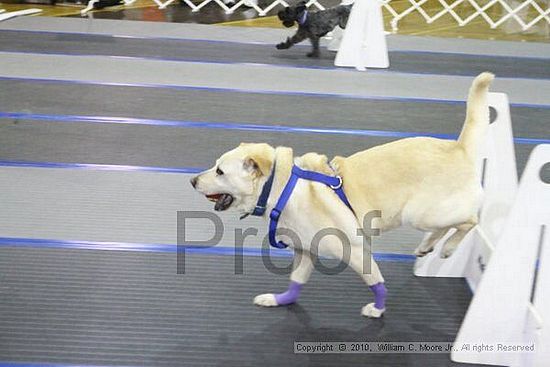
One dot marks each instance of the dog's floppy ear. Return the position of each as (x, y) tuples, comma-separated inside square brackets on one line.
[(258, 164), (281, 13)]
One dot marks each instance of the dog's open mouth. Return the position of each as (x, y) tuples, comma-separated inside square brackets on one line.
[(288, 23), (223, 201)]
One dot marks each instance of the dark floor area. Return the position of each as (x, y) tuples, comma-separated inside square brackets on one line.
[(128, 308), (181, 13)]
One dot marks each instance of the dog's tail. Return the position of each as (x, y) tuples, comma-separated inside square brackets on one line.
[(477, 114)]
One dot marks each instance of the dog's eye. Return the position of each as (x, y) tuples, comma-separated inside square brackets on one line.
[(219, 172)]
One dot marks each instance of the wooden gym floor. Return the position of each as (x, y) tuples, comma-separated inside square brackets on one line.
[(414, 24)]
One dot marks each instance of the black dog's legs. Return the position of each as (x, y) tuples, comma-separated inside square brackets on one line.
[(290, 41), (299, 37), (315, 43)]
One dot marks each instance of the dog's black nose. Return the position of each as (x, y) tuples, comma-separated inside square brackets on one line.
[(193, 182)]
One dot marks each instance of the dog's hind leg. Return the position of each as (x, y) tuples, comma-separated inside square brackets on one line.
[(428, 243), (371, 275), (452, 242), (302, 267), (315, 44)]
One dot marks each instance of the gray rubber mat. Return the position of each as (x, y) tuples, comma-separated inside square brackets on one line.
[(135, 207), (145, 29), (164, 146), (156, 146), (269, 78), (195, 104), (129, 309), (228, 52)]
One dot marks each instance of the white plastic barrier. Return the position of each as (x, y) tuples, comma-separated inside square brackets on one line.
[(91, 4), (512, 302), (497, 166), (363, 43), (12, 14)]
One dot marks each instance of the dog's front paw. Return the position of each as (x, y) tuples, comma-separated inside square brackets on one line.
[(282, 46), (265, 300), (313, 54), (371, 311), (421, 251)]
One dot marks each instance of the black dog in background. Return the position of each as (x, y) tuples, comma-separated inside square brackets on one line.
[(101, 4), (312, 25)]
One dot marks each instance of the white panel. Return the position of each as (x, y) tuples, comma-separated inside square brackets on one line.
[(364, 41), (501, 307)]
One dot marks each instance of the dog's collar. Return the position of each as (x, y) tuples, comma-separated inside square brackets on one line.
[(303, 18), (261, 205)]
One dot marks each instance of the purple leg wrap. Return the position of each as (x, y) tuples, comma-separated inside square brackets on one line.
[(379, 291), (290, 296)]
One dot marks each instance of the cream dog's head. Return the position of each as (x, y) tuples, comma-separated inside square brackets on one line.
[(237, 178)]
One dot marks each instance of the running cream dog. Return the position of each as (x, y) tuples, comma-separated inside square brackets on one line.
[(430, 184)]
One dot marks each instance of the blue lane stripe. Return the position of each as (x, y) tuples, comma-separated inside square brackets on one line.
[(450, 53), (263, 92), (244, 91), (99, 167), (201, 40), (42, 364), (531, 141), (167, 248), (243, 127)]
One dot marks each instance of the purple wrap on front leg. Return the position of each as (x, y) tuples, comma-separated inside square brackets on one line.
[(290, 296), (379, 290)]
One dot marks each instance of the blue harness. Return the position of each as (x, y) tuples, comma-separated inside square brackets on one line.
[(334, 182), (303, 19)]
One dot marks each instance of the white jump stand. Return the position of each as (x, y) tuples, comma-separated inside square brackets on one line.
[(512, 301), (335, 37), (12, 14), (91, 4), (363, 43), (497, 165)]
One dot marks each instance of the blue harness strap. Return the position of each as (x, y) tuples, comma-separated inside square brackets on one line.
[(259, 210), (334, 182), (303, 18)]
